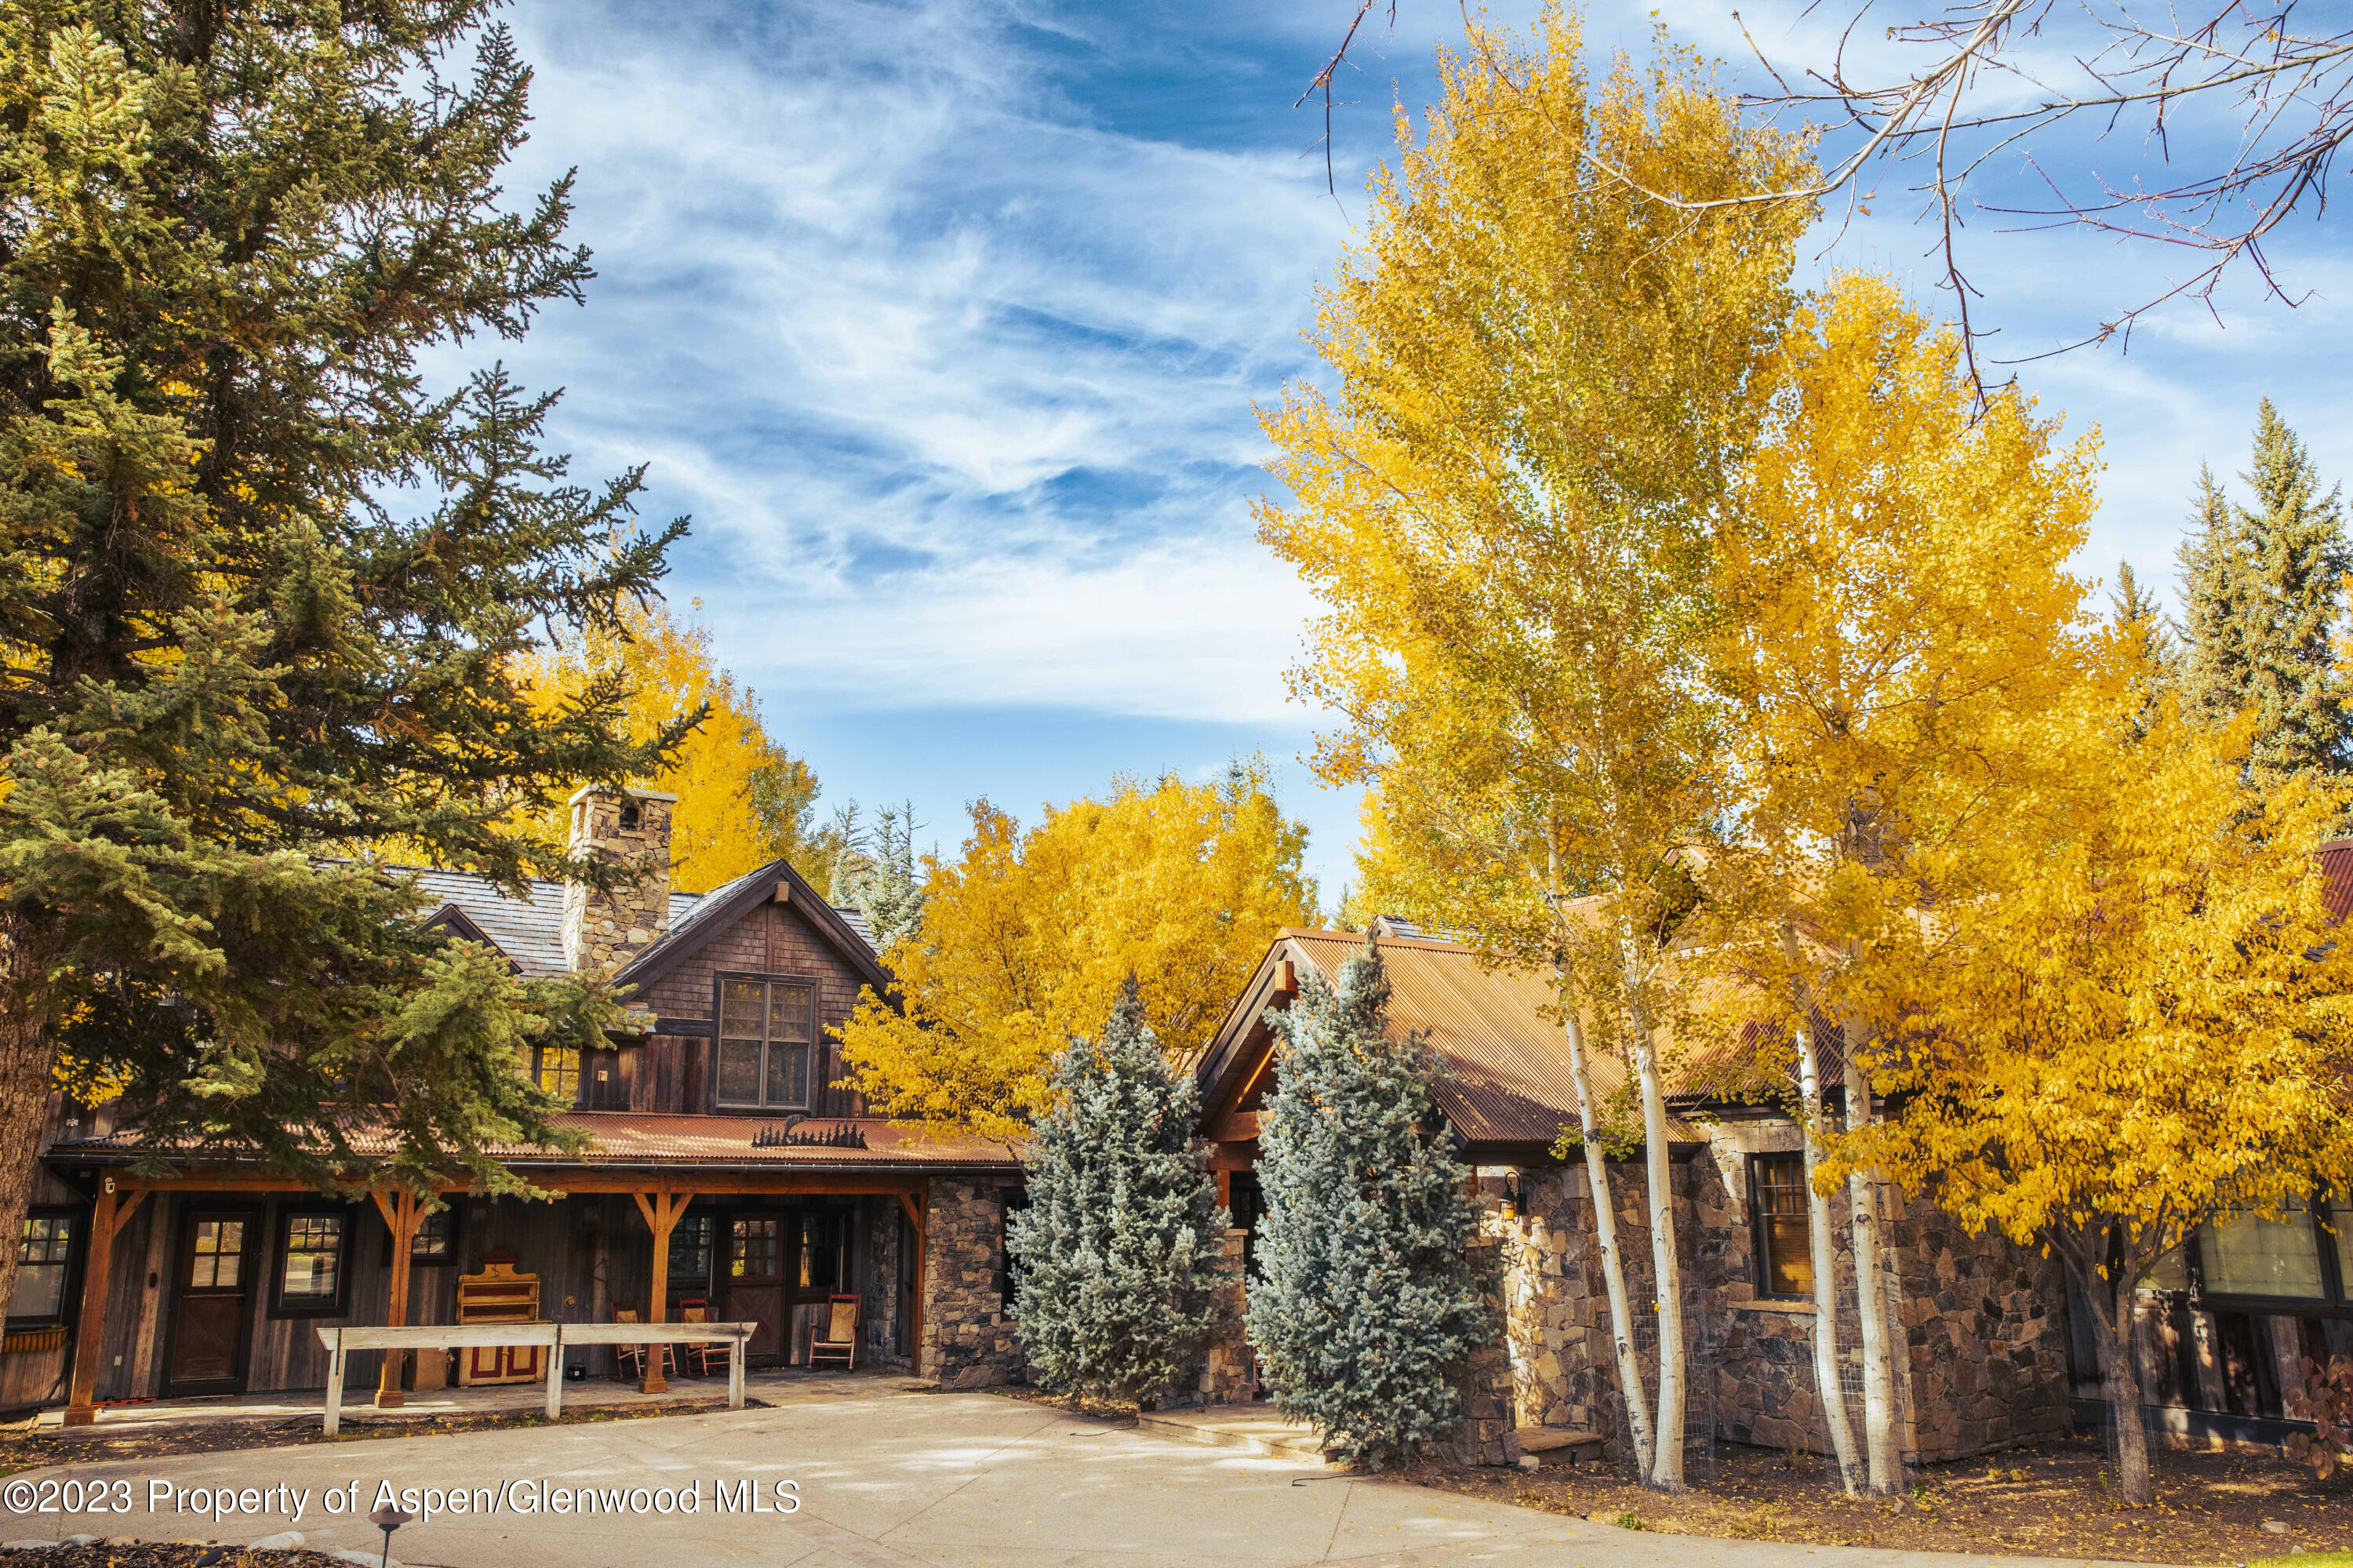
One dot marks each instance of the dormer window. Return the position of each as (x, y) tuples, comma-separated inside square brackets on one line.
[(629, 817)]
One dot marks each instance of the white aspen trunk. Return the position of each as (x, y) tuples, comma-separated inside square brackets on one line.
[(1886, 1464), (1818, 1236), (1605, 1233), (1666, 1269)]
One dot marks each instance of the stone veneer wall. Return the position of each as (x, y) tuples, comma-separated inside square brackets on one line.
[(1225, 1373), (969, 1341), (1485, 1379), (1984, 1361), (877, 1311), (1556, 1309)]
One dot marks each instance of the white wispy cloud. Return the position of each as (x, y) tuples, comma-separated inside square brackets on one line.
[(955, 381)]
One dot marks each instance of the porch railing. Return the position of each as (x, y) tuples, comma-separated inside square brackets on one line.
[(342, 1339)]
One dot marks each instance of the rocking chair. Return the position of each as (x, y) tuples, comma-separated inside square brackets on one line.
[(835, 1335)]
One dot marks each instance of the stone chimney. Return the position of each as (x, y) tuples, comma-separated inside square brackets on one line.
[(619, 827)]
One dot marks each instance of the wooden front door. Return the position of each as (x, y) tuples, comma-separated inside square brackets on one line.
[(213, 1284), (755, 1279)]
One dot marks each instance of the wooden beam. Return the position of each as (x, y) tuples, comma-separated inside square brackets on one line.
[(198, 1179), (661, 1209), (561, 1183), (403, 1211), (105, 1221), (914, 1209)]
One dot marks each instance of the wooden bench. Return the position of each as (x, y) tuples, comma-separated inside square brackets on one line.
[(341, 1340)]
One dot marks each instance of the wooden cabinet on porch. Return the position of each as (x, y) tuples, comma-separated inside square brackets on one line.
[(499, 1295)]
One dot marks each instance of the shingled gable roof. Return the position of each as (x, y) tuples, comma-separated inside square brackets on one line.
[(718, 909), (1507, 1083), (453, 919)]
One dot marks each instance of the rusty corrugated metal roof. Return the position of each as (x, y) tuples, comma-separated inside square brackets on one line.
[(2336, 867), (644, 1138), (1507, 1078)]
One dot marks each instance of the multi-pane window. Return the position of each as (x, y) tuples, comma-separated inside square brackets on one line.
[(768, 1034), (436, 1240), (757, 1253), (823, 1246), (690, 1254), (216, 1256), (310, 1263), (41, 1259), (558, 1071), (1785, 1257), (2303, 1256), (2245, 1254)]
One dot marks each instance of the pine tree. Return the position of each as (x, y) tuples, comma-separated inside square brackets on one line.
[(2263, 604), (1121, 1241), (2139, 617), (1364, 1303), (263, 592), (2300, 559), (890, 894), (2217, 571)]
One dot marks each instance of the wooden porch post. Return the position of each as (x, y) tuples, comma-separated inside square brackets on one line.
[(662, 1210), (913, 1203), (403, 1210), (106, 1221)]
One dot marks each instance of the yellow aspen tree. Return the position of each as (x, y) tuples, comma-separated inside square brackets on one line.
[(2142, 1021), (1896, 623), (1543, 379), (743, 799), (1029, 939)]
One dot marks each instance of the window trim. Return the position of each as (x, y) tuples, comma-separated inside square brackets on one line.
[(2335, 1300), (1760, 1286), (70, 1293), (579, 1071), (709, 1219), (281, 1230), (719, 980)]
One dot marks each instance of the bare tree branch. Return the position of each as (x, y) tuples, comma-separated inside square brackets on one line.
[(1959, 109)]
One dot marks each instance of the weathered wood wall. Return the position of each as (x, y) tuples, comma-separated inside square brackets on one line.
[(673, 1073), (588, 1250)]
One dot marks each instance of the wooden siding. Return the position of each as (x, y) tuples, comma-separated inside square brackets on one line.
[(588, 1250), (672, 1072)]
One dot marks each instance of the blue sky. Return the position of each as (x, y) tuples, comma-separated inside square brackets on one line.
[(944, 320)]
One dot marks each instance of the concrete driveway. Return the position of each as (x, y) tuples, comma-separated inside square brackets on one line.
[(883, 1479)]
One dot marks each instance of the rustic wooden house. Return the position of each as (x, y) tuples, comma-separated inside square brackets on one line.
[(1987, 1354), (727, 1173)]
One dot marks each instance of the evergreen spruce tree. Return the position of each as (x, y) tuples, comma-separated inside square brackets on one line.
[(1363, 1303), (2264, 605), (892, 896), (263, 591), (2300, 559), (2139, 617), (1119, 1246), (2217, 577)]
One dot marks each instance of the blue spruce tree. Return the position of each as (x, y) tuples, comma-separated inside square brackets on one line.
[(1363, 1301), (1119, 1246)]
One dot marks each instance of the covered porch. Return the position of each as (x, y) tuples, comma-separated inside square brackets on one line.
[(206, 1290)]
